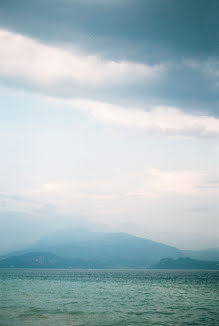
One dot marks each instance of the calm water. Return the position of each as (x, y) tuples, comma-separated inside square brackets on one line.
[(107, 297)]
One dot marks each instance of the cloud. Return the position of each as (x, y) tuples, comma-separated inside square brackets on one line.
[(94, 2), (151, 184), (186, 182), (210, 67), (28, 60), (126, 20), (157, 183), (66, 71), (90, 191), (14, 202), (156, 119)]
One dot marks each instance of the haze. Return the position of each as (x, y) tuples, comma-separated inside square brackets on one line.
[(109, 120)]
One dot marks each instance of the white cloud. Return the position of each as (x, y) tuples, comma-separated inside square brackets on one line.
[(29, 60), (157, 183), (186, 182), (148, 185), (161, 119)]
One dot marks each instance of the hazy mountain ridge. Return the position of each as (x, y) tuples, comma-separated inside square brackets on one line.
[(185, 263), (206, 254), (41, 260), (81, 248), (106, 247), (48, 260)]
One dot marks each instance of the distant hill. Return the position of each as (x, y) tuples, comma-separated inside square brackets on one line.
[(207, 254), (185, 263), (104, 250), (82, 248), (115, 249), (41, 260)]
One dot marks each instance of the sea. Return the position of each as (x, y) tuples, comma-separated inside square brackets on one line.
[(40, 297)]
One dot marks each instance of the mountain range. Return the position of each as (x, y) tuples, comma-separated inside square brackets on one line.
[(81, 248), (185, 263)]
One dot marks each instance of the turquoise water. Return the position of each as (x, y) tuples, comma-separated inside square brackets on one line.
[(108, 297)]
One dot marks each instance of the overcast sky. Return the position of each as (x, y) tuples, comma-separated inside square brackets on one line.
[(109, 118)]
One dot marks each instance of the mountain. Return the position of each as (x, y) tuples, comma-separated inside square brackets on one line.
[(113, 250), (207, 254), (185, 263), (117, 249), (82, 248), (41, 260)]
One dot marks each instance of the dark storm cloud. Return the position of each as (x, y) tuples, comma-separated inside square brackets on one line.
[(149, 31), (163, 27)]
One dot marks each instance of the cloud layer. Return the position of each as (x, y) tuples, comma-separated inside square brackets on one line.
[(109, 109), (29, 60), (157, 119)]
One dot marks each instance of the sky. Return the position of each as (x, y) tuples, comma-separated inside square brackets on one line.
[(109, 119)]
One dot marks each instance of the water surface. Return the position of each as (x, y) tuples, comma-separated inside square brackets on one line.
[(108, 297)]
